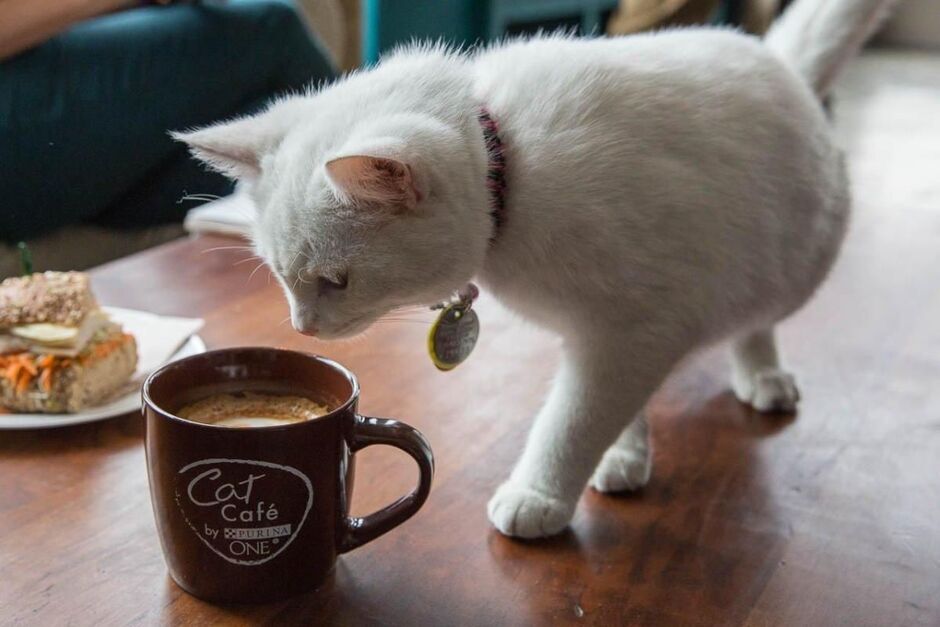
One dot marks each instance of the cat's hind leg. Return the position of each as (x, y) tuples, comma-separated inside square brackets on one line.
[(627, 464), (757, 377)]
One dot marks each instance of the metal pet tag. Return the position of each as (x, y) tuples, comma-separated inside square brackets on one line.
[(453, 336)]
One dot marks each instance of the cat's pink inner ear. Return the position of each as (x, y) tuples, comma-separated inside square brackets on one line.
[(374, 180)]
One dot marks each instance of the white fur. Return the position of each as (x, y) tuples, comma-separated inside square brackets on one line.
[(665, 191), (818, 37)]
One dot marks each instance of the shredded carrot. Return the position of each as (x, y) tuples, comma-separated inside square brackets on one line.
[(20, 369), (45, 379), (29, 365), (13, 371), (23, 382), (104, 349)]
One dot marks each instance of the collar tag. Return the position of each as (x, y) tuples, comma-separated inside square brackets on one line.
[(454, 334)]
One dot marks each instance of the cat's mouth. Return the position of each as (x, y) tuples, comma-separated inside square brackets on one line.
[(349, 329)]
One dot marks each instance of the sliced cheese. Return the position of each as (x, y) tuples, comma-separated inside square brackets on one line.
[(60, 339), (46, 334)]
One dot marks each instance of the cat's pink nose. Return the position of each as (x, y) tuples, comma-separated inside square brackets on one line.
[(310, 330), (305, 327), (304, 321)]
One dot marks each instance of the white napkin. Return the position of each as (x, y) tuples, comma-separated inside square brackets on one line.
[(158, 337), (231, 215)]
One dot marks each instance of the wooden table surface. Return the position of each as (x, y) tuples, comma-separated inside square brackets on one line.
[(828, 518)]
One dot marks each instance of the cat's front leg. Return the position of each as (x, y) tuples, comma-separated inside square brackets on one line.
[(628, 462), (757, 377), (596, 393)]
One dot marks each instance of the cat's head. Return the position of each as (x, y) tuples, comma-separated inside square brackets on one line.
[(358, 214)]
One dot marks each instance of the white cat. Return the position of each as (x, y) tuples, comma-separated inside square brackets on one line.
[(663, 192)]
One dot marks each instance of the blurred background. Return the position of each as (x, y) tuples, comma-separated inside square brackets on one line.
[(89, 89)]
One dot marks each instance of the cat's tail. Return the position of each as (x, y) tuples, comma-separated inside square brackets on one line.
[(817, 37)]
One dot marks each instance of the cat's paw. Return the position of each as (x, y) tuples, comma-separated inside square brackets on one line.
[(622, 470), (522, 512), (769, 391)]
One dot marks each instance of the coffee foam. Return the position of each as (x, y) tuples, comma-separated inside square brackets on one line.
[(252, 409)]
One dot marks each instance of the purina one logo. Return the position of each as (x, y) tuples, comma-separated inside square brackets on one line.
[(246, 511)]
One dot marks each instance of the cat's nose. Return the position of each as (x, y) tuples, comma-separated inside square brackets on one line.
[(304, 323), (307, 329)]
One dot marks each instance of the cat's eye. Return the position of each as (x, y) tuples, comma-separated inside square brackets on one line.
[(339, 282)]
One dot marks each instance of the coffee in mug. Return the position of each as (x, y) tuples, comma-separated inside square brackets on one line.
[(252, 409), (250, 456)]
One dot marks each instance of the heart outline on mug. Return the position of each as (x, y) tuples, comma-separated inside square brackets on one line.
[(221, 460)]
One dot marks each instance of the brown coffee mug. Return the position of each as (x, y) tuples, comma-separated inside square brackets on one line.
[(248, 515)]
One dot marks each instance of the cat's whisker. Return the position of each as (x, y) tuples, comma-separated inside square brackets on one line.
[(258, 267), (413, 315), (247, 259), (218, 248), (403, 317), (404, 313), (294, 259), (203, 197), (396, 320), (409, 310), (299, 279)]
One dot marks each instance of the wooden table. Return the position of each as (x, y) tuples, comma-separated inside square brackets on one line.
[(831, 518)]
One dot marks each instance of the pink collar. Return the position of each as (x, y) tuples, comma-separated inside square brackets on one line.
[(495, 170)]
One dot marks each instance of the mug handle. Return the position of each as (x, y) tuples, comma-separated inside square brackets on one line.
[(367, 431)]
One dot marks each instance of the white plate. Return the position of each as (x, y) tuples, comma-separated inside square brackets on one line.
[(128, 403)]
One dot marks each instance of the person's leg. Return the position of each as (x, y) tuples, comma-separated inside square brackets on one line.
[(282, 50), (160, 197), (84, 117)]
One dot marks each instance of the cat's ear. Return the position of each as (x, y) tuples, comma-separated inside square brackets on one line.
[(235, 148), (375, 180)]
